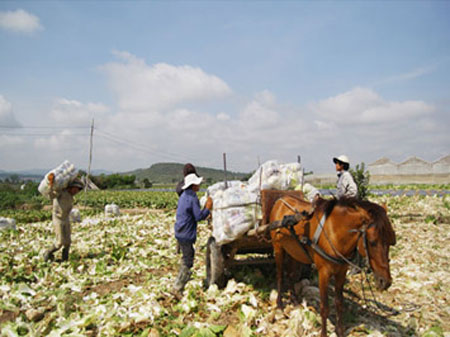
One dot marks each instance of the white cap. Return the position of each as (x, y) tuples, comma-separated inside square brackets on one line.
[(342, 158), (191, 179)]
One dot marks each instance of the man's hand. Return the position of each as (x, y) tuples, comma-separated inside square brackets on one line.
[(51, 179), (209, 203), (289, 220)]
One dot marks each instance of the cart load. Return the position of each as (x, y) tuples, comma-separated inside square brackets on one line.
[(237, 204)]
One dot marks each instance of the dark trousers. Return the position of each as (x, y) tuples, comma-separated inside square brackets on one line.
[(188, 251)]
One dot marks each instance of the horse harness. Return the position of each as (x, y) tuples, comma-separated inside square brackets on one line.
[(304, 240)]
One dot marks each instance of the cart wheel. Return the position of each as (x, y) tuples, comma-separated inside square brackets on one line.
[(215, 264)]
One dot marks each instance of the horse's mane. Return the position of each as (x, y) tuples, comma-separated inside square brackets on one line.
[(376, 212)]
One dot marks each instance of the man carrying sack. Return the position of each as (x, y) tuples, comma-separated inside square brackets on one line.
[(62, 205)]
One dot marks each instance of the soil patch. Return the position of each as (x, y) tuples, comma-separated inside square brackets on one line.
[(7, 315), (114, 286)]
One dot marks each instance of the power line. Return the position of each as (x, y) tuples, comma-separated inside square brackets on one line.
[(18, 132), (141, 147), (136, 147), (43, 127), (41, 134)]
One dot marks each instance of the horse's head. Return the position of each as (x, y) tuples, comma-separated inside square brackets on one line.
[(378, 235)]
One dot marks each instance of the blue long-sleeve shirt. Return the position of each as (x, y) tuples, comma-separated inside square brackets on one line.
[(188, 214)]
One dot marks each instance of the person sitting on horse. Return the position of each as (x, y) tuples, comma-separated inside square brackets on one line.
[(346, 186)]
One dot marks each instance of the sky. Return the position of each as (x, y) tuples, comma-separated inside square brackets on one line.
[(187, 81)]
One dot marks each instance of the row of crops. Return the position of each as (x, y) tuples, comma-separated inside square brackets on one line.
[(128, 199), (92, 202), (26, 207)]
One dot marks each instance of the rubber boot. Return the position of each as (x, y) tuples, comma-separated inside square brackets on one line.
[(183, 277), (48, 255), (65, 253)]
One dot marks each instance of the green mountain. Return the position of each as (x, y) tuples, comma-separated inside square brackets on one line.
[(173, 173)]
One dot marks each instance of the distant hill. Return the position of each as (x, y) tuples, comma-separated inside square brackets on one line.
[(37, 174), (173, 172), (20, 176), (160, 173)]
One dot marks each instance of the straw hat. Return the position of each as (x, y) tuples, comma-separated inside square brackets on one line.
[(342, 159), (191, 179)]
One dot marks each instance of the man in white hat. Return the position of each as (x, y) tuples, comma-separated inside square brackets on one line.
[(346, 186), (188, 214)]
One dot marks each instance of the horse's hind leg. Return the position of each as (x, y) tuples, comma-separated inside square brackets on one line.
[(339, 300), (279, 255)]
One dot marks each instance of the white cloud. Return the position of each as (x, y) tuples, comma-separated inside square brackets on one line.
[(76, 114), (142, 87), (260, 113), (364, 106), (223, 117), (163, 115), (20, 21), (55, 142), (7, 117), (366, 126), (415, 73)]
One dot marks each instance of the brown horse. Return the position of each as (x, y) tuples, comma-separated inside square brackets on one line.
[(345, 225)]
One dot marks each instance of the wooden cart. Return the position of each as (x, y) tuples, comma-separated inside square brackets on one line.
[(220, 258)]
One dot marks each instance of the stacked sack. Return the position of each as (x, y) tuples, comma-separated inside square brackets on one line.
[(273, 175), (63, 175), (237, 209)]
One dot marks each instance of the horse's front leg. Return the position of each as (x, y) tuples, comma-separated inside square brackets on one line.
[(279, 255), (339, 300), (324, 279)]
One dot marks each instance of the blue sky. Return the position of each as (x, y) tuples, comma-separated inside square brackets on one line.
[(187, 81)]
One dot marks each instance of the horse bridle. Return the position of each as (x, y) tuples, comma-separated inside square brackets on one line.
[(363, 234)]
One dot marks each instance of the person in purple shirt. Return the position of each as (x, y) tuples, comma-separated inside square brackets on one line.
[(188, 214)]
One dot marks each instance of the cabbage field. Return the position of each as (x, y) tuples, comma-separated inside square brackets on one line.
[(117, 281)]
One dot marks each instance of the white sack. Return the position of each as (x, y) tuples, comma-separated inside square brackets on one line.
[(273, 175), (235, 211), (75, 215), (112, 210), (309, 191), (64, 174), (7, 223)]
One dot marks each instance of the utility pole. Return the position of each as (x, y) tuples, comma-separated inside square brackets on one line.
[(91, 143), (225, 168), (299, 160)]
